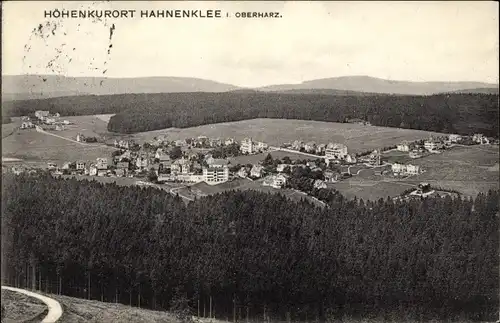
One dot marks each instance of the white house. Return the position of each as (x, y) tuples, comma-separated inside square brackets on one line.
[(229, 141), (297, 144), (247, 146), (50, 120), (102, 163), (27, 125), (454, 138), (256, 171), (93, 170), (80, 165), (335, 151), (430, 145), (404, 146), (278, 181), (162, 155), (261, 146), (412, 169), (243, 172), (331, 177), (405, 169), (320, 148), (375, 158), (141, 162), (310, 146), (80, 138), (351, 159), (181, 165), (480, 139), (41, 114), (398, 168), (281, 168), (319, 184), (216, 174)]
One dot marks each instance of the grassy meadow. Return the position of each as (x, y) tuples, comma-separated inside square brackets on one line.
[(30, 145), (275, 132)]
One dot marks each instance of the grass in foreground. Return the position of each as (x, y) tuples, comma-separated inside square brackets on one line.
[(19, 307), (76, 310)]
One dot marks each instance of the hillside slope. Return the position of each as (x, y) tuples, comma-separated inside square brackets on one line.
[(377, 85), (18, 87)]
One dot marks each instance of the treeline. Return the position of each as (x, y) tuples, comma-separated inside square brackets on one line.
[(253, 253), (450, 113)]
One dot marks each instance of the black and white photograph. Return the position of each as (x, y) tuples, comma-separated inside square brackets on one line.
[(250, 162)]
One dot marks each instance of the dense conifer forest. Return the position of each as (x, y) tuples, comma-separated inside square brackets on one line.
[(450, 113), (251, 253)]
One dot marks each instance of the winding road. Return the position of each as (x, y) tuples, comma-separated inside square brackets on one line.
[(54, 307)]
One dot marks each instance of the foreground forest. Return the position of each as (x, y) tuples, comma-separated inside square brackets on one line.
[(449, 113), (253, 253)]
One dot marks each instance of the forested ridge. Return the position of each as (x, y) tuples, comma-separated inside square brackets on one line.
[(460, 113), (436, 258)]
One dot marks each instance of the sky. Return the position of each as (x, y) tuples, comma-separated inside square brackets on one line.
[(414, 41)]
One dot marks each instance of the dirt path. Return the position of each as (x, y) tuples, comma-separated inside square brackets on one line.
[(55, 309)]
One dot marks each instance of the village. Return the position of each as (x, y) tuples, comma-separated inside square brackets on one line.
[(215, 161)]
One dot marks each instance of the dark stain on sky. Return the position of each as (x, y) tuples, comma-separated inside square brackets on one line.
[(57, 64)]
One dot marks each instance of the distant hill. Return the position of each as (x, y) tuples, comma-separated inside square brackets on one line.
[(22, 87), (377, 85), (324, 92), (26, 87)]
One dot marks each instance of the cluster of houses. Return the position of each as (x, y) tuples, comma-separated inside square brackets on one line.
[(434, 145), (198, 142), (45, 118), (248, 146), (331, 152)]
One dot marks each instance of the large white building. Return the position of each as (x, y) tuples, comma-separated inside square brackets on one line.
[(247, 146), (217, 171), (276, 181), (335, 151), (430, 145), (216, 175), (405, 169)]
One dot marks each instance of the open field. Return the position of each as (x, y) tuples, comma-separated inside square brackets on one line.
[(89, 126), (395, 156), (368, 189), (275, 132), (469, 170), (104, 117), (19, 307), (30, 145), (203, 189)]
